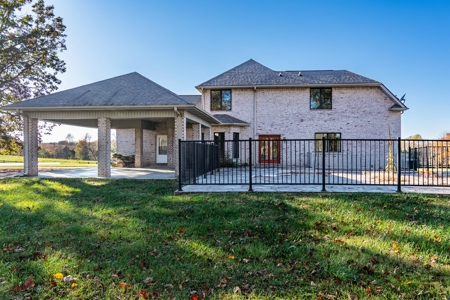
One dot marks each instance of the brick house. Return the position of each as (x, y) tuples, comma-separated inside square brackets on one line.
[(254, 101), (248, 101)]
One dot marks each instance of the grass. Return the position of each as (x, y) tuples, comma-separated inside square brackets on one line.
[(125, 239), (5, 161)]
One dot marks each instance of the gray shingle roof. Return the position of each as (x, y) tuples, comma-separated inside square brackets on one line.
[(252, 73), (227, 119), (194, 99), (127, 90)]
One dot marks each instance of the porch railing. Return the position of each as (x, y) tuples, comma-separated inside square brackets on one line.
[(392, 162)]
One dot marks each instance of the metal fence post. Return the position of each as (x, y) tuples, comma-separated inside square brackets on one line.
[(195, 162), (179, 165), (323, 164), (250, 164), (399, 165)]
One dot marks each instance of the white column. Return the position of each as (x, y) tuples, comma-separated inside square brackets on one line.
[(138, 147), (30, 133), (179, 133), (104, 147)]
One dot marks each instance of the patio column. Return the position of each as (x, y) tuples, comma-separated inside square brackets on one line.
[(196, 132), (104, 147), (138, 147), (30, 133), (179, 133)]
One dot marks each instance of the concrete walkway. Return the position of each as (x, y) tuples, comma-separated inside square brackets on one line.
[(155, 172), (313, 189)]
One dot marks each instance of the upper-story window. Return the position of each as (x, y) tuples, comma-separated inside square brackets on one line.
[(321, 98), (221, 100)]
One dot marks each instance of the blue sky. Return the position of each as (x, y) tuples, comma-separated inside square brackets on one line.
[(180, 44)]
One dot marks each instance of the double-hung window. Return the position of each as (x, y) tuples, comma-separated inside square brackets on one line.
[(320, 98), (220, 99), (332, 141)]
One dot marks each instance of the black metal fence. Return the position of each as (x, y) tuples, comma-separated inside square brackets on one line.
[(272, 161)]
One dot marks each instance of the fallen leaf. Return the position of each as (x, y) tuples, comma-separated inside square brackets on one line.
[(124, 285), (74, 285), (168, 287), (194, 295), (20, 249), (148, 280), (69, 278), (58, 276), (231, 256), (245, 260), (181, 229), (143, 294), (236, 290), (28, 284)]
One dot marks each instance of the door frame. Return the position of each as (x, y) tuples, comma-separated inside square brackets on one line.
[(269, 137), (161, 158)]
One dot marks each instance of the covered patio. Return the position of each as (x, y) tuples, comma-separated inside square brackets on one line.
[(125, 102)]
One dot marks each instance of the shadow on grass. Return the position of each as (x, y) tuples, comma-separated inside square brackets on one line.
[(265, 245)]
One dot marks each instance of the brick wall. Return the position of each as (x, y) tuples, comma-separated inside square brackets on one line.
[(126, 142), (357, 112)]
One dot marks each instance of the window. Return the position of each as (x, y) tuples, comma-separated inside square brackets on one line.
[(332, 142), (321, 98), (235, 144), (221, 100)]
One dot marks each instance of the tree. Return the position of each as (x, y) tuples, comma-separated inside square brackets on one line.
[(29, 63), (70, 139), (82, 150)]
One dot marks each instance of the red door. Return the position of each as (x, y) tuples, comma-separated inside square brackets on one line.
[(269, 149)]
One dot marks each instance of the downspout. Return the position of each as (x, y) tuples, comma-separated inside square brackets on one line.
[(254, 113)]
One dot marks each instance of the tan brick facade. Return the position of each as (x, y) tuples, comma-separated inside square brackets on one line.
[(357, 112)]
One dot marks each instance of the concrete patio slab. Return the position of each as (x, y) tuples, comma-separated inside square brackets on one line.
[(312, 189), (155, 172)]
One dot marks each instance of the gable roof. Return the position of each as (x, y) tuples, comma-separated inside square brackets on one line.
[(194, 99), (127, 90), (252, 74), (229, 120)]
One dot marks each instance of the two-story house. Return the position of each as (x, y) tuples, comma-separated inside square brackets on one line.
[(248, 101), (254, 101)]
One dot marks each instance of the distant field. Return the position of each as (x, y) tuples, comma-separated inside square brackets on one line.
[(12, 161)]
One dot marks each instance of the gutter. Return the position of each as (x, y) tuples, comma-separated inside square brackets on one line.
[(232, 124), (69, 108)]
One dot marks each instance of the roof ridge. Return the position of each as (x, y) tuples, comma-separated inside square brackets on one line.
[(176, 95), (95, 82), (234, 68)]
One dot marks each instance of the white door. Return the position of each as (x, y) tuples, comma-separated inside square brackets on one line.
[(161, 149)]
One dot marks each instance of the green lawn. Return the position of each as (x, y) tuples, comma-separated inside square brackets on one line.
[(125, 239), (10, 162)]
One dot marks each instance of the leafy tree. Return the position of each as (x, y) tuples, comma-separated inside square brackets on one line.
[(29, 63), (92, 146), (82, 150)]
